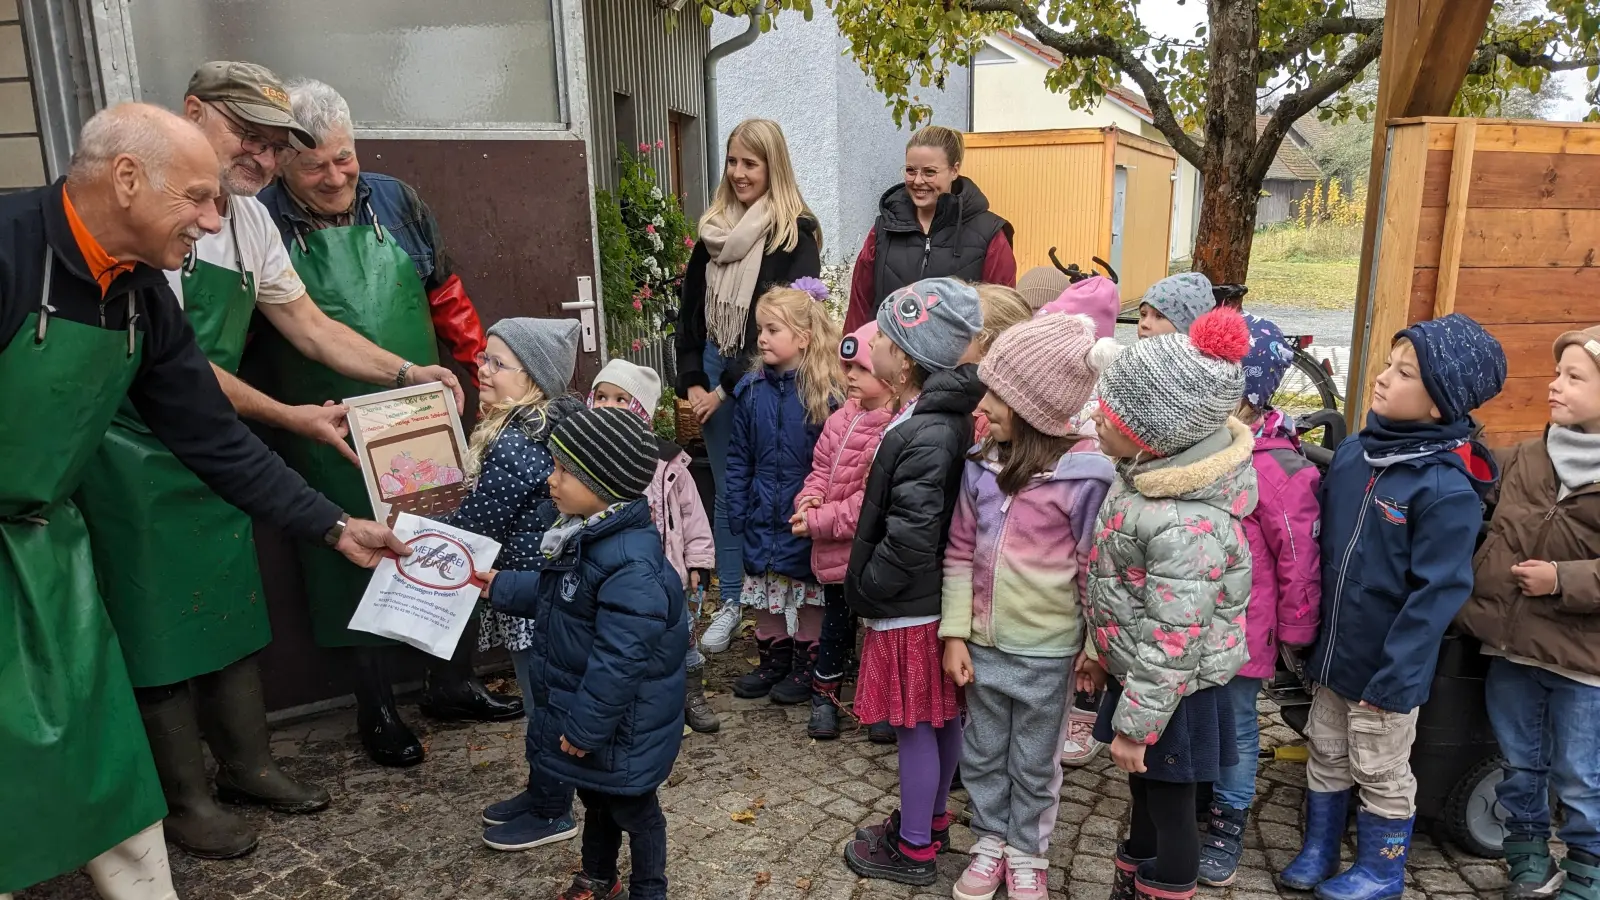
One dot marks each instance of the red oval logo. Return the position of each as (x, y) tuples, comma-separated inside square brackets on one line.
[(438, 562)]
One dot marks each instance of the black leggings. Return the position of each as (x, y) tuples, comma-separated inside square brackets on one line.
[(1163, 829), (838, 640)]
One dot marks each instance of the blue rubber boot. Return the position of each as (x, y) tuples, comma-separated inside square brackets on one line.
[(1319, 852), (1382, 846)]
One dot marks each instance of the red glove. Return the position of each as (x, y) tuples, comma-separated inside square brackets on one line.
[(455, 321)]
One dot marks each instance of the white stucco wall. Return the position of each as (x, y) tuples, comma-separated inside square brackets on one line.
[(842, 137)]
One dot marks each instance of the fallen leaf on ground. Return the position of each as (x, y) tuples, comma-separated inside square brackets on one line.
[(744, 817), (803, 884), (763, 878), (758, 803)]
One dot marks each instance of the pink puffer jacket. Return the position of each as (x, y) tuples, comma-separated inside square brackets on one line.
[(1285, 583), (679, 516), (839, 467)]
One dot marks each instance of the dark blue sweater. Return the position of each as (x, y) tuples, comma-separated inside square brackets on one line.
[(769, 457)]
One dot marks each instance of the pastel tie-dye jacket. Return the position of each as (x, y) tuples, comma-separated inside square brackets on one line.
[(1016, 566), (1169, 577)]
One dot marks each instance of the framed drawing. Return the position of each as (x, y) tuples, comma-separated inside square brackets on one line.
[(413, 454)]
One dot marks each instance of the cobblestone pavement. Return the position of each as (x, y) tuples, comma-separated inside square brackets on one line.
[(757, 812)]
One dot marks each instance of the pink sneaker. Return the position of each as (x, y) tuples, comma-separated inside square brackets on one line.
[(1080, 747), (1027, 877), (985, 873)]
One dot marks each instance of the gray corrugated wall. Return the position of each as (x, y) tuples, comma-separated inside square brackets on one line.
[(631, 51)]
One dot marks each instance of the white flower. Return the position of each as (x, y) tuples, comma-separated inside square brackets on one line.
[(655, 194), (658, 221)]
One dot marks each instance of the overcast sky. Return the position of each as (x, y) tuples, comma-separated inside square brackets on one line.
[(1167, 17)]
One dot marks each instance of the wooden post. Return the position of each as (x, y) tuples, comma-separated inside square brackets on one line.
[(1109, 187), (1427, 45), (1455, 218), (1397, 234)]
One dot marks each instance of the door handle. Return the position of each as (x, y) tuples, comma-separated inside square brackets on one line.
[(577, 305), (584, 307)]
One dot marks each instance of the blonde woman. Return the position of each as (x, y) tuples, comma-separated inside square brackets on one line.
[(523, 373), (758, 234), (935, 224)]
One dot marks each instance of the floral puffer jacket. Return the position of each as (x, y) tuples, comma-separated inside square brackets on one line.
[(1169, 577)]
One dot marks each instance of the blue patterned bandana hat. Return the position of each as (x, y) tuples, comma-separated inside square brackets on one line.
[(933, 321), (1269, 357), (1182, 298), (1462, 365)]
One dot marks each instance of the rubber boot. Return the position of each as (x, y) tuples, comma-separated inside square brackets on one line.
[(882, 733), (1319, 852), (1583, 876), (1382, 846), (194, 820), (697, 712), (229, 702), (1531, 871), (383, 733), (1146, 889), (776, 659), (452, 692), (1123, 876), (1222, 845), (797, 687)]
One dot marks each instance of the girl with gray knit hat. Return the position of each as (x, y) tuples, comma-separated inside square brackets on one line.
[(1169, 580)]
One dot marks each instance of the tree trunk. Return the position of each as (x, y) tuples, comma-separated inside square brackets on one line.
[(1228, 206)]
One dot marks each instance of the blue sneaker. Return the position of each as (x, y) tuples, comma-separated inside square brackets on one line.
[(507, 810), (528, 831), (1222, 845)]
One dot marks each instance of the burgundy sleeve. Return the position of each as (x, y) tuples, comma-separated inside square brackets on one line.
[(861, 285), (999, 265)]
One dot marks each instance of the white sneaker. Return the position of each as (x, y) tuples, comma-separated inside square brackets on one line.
[(724, 625)]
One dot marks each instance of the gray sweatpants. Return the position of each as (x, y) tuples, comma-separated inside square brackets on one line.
[(1011, 753)]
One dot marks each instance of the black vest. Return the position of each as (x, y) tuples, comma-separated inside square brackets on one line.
[(954, 247)]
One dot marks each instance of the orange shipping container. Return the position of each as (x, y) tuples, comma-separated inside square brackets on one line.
[(1085, 192)]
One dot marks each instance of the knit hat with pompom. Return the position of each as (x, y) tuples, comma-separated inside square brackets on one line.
[(1172, 391), (1045, 369)]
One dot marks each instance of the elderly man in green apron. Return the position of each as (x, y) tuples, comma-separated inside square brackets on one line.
[(176, 563), (87, 319), (370, 254)]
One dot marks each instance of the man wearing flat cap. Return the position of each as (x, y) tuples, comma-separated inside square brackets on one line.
[(176, 562)]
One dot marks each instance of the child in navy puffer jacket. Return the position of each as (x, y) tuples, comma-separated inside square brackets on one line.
[(1401, 509), (778, 413)]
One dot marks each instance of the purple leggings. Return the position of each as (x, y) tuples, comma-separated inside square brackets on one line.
[(928, 760)]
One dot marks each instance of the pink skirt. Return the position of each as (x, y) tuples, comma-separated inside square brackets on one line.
[(902, 679)]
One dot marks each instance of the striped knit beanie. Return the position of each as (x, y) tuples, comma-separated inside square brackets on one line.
[(1045, 368), (1172, 391), (608, 449)]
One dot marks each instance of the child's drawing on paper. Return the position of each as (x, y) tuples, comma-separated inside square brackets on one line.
[(416, 463)]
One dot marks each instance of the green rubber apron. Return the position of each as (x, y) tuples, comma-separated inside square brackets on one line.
[(360, 276), (76, 777), (176, 563)]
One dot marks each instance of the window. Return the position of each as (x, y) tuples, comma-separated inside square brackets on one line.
[(627, 128), (400, 63), (675, 149)]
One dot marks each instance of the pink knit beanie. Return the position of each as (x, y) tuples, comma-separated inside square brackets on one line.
[(1045, 369), (1094, 297), (857, 346)]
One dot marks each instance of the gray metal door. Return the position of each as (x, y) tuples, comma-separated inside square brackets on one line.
[(1119, 207)]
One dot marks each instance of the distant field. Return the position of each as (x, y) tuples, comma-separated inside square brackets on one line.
[(1306, 267)]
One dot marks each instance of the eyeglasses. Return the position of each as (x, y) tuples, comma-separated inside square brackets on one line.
[(928, 173), (252, 142), (493, 365)]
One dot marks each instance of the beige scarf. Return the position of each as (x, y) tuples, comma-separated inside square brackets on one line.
[(735, 266)]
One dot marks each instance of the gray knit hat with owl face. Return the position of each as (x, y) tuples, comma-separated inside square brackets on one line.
[(1172, 391)]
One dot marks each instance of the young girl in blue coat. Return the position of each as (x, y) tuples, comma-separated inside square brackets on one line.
[(779, 410)]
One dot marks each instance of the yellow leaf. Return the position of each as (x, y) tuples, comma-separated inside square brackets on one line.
[(744, 817)]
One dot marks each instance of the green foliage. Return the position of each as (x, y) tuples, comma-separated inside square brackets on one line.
[(645, 242), (904, 45)]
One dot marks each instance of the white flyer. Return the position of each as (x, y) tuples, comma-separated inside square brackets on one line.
[(427, 598)]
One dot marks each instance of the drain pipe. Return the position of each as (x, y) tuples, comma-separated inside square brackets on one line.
[(714, 161)]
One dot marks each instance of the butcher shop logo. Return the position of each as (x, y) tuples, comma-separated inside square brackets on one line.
[(437, 562)]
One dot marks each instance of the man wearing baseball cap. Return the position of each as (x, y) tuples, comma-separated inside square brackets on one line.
[(178, 563)]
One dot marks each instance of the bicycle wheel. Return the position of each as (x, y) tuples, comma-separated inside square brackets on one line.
[(1306, 388)]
